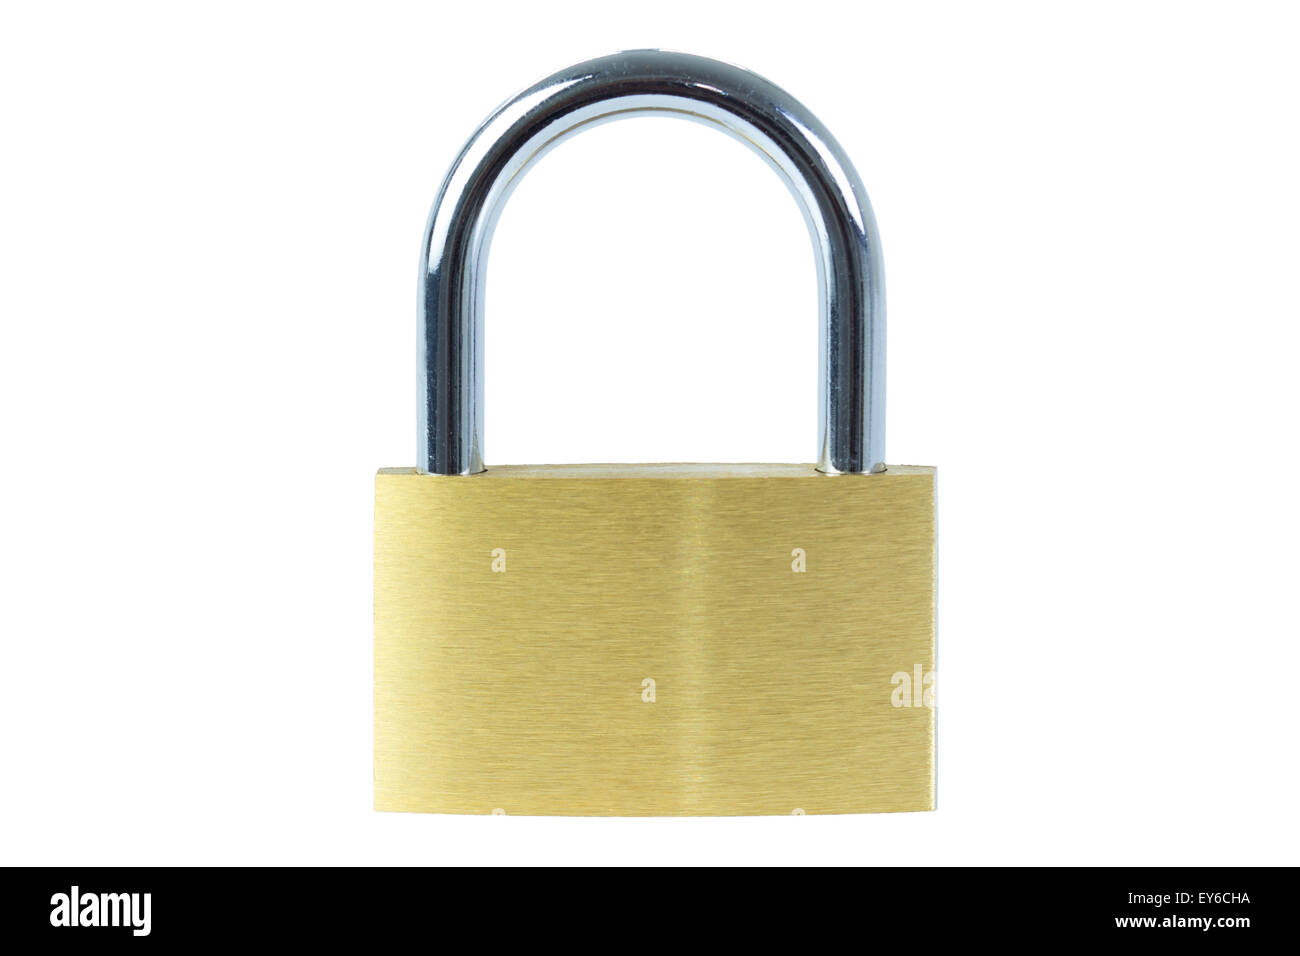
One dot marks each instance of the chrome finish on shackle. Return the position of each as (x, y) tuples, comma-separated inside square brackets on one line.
[(764, 117)]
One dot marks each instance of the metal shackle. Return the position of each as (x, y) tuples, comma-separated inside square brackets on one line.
[(850, 271)]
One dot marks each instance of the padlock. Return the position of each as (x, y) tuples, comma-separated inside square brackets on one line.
[(661, 639)]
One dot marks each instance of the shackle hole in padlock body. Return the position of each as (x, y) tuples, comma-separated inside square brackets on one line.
[(457, 240)]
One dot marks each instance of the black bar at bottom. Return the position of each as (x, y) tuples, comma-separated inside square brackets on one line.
[(917, 907)]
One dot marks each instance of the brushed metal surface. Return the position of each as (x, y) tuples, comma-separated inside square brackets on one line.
[(775, 691)]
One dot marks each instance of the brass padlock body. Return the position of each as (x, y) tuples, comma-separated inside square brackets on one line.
[(655, 639)]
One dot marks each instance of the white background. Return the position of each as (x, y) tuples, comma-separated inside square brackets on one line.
[(210, 219)]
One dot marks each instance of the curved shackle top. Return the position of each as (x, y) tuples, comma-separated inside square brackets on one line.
[(851, 436)]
